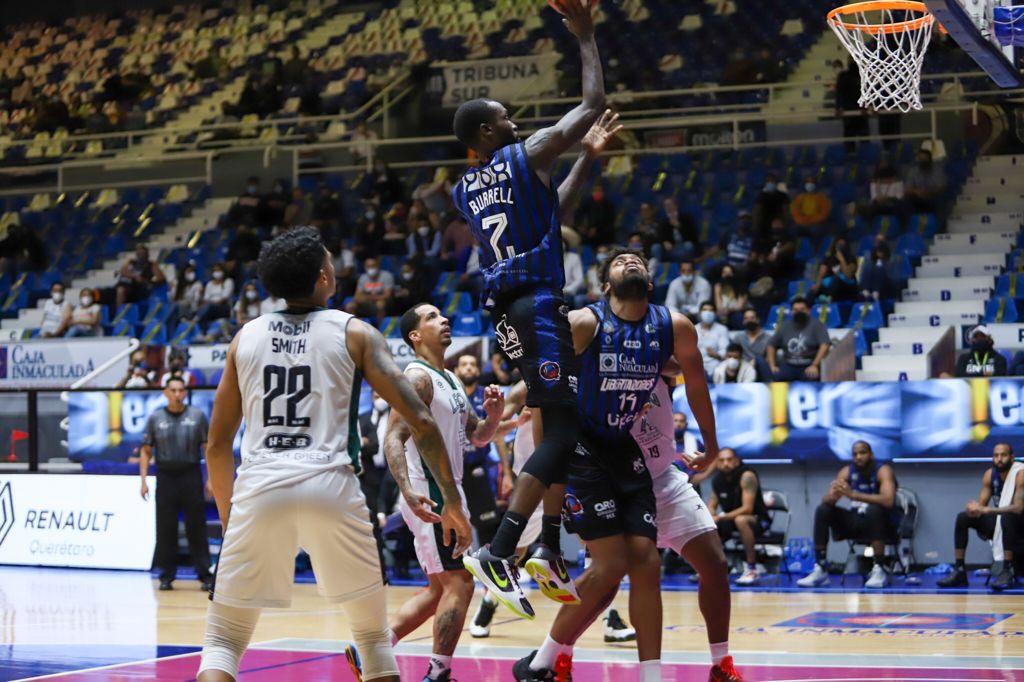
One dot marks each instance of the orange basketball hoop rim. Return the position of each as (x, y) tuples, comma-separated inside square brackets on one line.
[(835, 16)]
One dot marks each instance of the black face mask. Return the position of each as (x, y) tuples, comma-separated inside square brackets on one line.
[(801, 318), (751, 326), (981, 346)]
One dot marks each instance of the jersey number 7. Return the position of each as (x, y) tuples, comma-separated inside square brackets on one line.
[(498, 223)]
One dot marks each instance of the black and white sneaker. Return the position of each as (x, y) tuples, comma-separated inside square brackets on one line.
[(501, 578), (616, 629), (481, 625), (522, 672)]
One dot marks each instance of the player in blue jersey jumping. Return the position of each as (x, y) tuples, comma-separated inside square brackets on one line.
[(513, 212)]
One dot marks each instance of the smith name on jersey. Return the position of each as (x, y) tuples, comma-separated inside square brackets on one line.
[(514, 217)]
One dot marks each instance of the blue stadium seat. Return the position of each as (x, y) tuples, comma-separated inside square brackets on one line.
[(924, 224), (911, 244), (886, 225), (860, 342), (154, 334), (777, 314), (798, 287), (1000, 309), (389, 327), (446, 284), (456, 303), (828, 313), (184, 334), (156, 311), (123, 328), (1010, 285), (469, 324), (866, 316), (129, 312)]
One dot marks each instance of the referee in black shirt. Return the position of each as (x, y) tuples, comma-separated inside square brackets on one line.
[(174, 439)]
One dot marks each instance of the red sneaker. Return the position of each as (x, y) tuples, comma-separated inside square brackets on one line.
[(725, 672), (563, 668)]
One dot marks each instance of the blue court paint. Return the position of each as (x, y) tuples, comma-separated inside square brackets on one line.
[(18, 661), (896, 620)]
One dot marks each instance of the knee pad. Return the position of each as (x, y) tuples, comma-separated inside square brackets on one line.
[(368, 619), (228, 630)]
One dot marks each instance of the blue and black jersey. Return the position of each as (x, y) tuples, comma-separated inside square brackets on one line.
[(515, 218), (621, 367)]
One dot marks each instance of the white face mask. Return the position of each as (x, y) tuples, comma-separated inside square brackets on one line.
[(190, 276), (687, 279), (380, 404), (423, 231), (57, 296), (372, 272), (251, 295), (87, 301), (407, 276), (810, 187), (218, 275), (707, 316), (732, 364)]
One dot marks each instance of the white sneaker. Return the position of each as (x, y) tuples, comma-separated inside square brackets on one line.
[(749, 577), (878, 579), (816, 578)]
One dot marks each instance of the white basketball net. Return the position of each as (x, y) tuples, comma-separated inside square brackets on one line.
[(888, 45)]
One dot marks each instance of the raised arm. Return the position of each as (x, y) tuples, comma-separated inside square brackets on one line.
[(545, 146), (594, 142), (698, 396), (372, 355), (227, 415), (481, 432)]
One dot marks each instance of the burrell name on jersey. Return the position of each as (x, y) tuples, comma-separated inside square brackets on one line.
[(300, 389), (514, 217)]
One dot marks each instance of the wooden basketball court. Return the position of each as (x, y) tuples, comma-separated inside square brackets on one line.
[(107, 625)]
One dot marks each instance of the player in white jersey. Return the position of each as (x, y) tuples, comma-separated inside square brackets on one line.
[(295, 377), (449, 585)]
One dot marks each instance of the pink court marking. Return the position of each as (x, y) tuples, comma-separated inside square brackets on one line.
[(265, 665)]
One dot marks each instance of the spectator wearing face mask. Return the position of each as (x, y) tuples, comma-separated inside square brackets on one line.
[(187, 296), (730, 297), (247, 308), (594, 290), (803, 341), (177, 362), (688, 291), (811, 208), (411, 288), (85, 317), (875, 281), (217, 296), (712, 337), (753, 342), (925, 184), (137, 277), (56, 313), (836, 279), (734, 369), (423, 241), (249, 207), (770, 204), (982, 360), (373, 291), (596, 216)]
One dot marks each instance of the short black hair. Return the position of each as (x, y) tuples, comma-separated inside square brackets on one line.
[(290, 264), (617, 251), (799, 299), (173, 378), (734, 348), (410, 322), (864, 443), (468, 119), (1003, 442), (708, 302)]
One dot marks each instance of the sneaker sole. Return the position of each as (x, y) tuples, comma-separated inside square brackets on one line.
[(548, 587), (352, 656), (614, 640), (495, 590), (480, 634)]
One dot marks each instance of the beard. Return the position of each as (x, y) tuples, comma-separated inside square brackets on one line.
[(631, 287), (1004, 468)]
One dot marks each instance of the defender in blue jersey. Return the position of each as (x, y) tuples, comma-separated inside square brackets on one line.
[(514, 212), (625, 344)]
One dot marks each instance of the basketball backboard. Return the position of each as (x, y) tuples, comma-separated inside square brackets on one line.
[(970, 24)]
